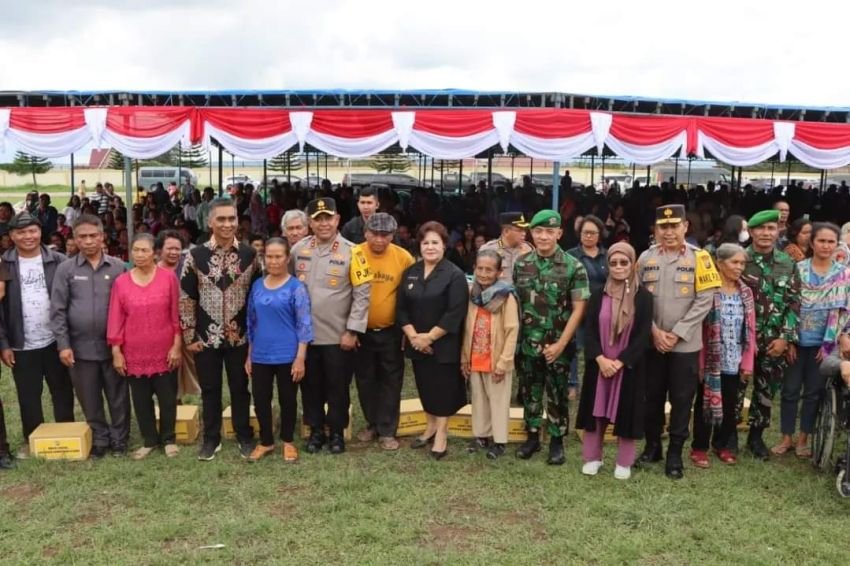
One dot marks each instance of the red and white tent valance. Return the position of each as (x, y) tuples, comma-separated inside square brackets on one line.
[(550, 134)]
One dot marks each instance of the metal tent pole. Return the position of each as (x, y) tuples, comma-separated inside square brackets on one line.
[(648, 167), (265, 181), (772, 172), (460, 178), (788, 179), (556, 185), (675, 172), (603, 170), (220, 170), (490, 171), (593, 171), (689, 171), (128, 194), (73, 181), (179, 167)]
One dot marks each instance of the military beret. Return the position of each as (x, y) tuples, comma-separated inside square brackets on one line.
[(513, 219), (321, 206), (23, 220), (669, 214), (763, 217), (546, 218)]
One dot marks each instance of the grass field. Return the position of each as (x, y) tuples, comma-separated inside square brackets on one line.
[(371, 507)]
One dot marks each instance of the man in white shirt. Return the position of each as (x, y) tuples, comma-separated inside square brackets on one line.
[(27, 342)]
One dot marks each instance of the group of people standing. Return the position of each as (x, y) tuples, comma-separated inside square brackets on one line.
[(317, 309)]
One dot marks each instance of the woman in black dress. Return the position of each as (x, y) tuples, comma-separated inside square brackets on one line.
[(430, 309)]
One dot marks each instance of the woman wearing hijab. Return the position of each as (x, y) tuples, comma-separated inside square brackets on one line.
[(487, 353), (727, 359), (618, 326)]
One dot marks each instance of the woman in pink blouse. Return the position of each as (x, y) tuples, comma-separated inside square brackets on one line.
[(144, 332)]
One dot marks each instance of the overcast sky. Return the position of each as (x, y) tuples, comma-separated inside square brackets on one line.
[(774, 52)]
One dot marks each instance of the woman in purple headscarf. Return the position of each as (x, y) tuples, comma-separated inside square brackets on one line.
[(618, 327)]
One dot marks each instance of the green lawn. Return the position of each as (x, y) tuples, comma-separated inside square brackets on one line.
[(369, 507)]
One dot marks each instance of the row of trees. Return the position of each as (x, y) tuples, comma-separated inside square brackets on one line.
[(196, 157)]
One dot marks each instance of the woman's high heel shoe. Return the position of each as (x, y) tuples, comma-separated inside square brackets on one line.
[(439, 455), (420, 442)]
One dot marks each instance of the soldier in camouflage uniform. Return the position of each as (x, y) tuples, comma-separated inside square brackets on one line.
[(772, 276), (552, 288)]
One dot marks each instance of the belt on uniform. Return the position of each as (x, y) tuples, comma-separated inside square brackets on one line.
[(380, 329)]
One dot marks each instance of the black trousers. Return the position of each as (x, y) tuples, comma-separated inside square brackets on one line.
[(210, 362), (94, 380), (4, 439), (719, 435), (164, 386), (327, 381), (379, 374), (263, 380), (32, 369), (675, 375)]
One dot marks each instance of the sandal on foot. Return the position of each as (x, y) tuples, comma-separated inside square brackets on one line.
[(781, 449), (700, 458), (803, 452)]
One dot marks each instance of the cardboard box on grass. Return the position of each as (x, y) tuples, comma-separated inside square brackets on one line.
[(516, 425), (346, 434), (61, 441), (187, 428), (227, 423), (460, 424), (412, 420)]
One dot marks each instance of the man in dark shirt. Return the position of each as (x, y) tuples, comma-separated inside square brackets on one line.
[(27, 341), (215, 281), (79, 308), (367, 204)]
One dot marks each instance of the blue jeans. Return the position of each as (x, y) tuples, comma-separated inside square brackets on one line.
[(803, 376), (577, 365)]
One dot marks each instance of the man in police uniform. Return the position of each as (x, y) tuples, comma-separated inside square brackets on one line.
[(339, 282), (511, 245), (553, 289), (682, 280)]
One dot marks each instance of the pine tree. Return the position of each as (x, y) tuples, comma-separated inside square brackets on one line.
[(189, 157), (390, 163), (25, 164), (285, 162), (116, 159)]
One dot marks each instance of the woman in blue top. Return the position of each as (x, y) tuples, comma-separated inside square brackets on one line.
[(592, 255), (279, 329), (824, 316)]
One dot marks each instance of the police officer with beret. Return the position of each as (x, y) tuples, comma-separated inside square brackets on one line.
[(682, 280), (511, 245), (338, 279)]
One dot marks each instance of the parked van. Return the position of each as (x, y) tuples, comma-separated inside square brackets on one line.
[(149, 176)]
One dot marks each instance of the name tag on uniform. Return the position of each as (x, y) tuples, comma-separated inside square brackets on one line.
[(81, 277)]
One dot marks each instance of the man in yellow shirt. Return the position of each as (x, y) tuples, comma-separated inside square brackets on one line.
[(379, 363)]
